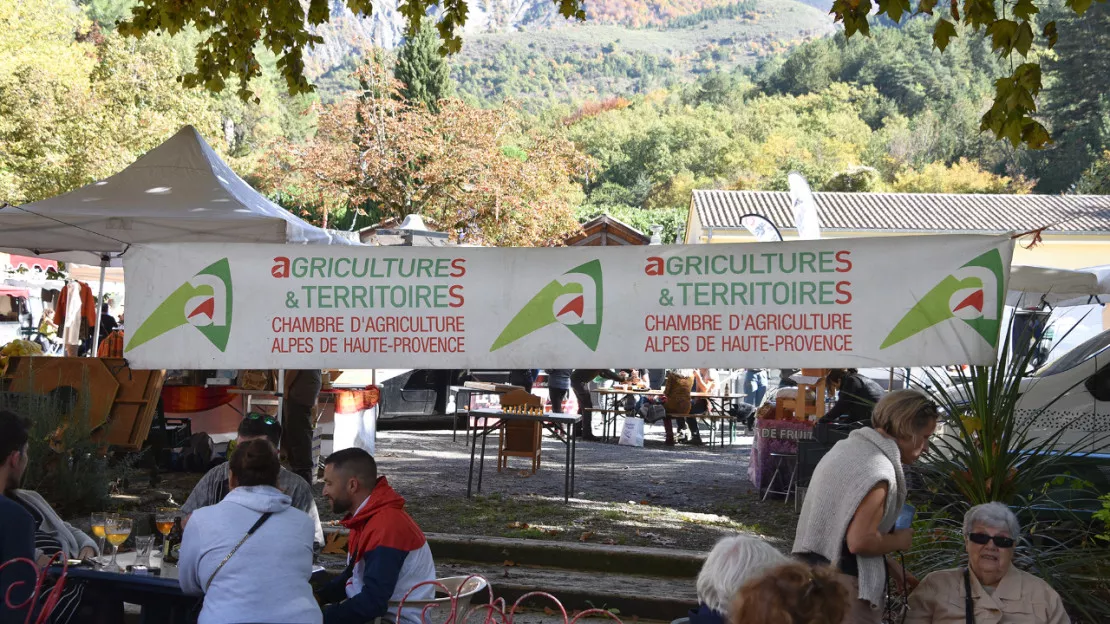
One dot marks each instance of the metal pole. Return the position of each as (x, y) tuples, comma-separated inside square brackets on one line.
[(104, 260)]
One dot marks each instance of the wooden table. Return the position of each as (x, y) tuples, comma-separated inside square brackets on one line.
[(717, 402), (562, 425)]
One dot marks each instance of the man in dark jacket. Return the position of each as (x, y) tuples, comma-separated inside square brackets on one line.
[(17, 527), (580, 382), (856, 398)]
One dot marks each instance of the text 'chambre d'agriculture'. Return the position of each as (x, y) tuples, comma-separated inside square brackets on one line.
[(389, 287), (747, 282)]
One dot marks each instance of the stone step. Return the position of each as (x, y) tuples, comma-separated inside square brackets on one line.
[(629, 596)]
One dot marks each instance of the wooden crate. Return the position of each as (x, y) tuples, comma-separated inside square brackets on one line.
[(121, 402)]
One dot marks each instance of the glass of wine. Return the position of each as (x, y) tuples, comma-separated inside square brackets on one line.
[(98, 521), (117, 529), (164, 523)]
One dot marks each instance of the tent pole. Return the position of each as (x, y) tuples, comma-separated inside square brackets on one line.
[(104, 260)]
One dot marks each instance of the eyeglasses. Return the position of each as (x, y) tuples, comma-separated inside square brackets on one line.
[(999, 540), (265, 418)]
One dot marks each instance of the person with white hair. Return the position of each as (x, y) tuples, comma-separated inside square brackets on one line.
[(733, 562), (990, 589)]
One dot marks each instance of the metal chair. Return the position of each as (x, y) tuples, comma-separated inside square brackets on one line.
[(782, 460)]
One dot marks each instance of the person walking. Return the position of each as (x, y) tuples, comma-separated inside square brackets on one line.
[(558, 387), (580, 382)]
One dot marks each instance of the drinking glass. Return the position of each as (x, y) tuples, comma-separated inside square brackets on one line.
[(163, 521), (98, 521), (143, 545), (117, 530)]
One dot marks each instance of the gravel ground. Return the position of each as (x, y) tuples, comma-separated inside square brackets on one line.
[(685, 497)]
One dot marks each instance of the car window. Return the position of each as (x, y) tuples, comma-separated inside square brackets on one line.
[(1078, 355)]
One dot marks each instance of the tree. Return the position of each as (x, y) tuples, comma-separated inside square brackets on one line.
[(1075, 102), (479, 173), (422, 70), (960, 177), (1096, 180), (856, 180), (1014, 28), (236, 28)]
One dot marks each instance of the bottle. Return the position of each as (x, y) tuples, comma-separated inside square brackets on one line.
[(174, 541)]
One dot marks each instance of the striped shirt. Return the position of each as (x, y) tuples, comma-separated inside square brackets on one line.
[(213, 487)]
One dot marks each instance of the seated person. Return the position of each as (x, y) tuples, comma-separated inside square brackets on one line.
[(251, 540), (856, 398), (17, 527), (999, 591), (793, 593), (732, 562), (387, 553), (214, 486)]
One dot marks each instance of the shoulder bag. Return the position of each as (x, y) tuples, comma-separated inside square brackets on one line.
[(264, 518)]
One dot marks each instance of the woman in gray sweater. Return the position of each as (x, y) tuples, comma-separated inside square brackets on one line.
[(855, 496)]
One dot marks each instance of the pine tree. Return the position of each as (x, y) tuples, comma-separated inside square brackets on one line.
[(422, 70)]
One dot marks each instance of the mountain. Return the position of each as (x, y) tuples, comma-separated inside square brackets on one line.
[(522, 49)]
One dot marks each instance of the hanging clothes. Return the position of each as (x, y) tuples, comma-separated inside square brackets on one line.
[(76, 313)]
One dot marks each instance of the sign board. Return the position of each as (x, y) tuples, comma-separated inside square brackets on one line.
[(898, 301)]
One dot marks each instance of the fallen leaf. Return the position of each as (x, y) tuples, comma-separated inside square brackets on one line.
[(517, 525), (524, 473), (644, 502), (549, 611), (586, 535), (509, 564)]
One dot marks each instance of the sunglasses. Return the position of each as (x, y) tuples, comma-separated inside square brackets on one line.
[(999, 540), (265, 418)]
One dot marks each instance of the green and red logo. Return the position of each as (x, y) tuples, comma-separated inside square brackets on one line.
[(203, 302), (973, 294), (573, 300)]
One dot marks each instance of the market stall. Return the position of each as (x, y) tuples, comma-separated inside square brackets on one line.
[(179, 191)]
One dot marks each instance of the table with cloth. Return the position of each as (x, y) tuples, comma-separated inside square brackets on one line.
[(774, 436)]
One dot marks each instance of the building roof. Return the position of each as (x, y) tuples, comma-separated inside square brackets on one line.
[(913, 212), (605, 230)]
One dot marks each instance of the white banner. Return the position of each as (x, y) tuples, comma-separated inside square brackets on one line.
[(898, 301)]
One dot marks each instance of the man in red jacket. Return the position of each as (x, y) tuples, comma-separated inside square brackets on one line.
[(387, 554)]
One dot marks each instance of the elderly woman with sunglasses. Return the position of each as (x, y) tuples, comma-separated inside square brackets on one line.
[(990, 590)]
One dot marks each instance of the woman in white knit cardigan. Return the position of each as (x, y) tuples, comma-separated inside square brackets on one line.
[(855, 496)]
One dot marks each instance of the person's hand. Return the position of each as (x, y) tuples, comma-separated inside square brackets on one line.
[(44, 561), (901, 540), (88, 552)]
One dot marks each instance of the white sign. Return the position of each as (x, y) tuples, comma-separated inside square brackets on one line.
[(898, 301), (805, 209)]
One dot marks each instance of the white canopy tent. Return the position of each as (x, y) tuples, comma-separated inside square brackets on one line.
[(180, 191), (1032, 286)]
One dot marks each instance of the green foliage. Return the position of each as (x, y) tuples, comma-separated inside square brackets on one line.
[(422, 71), (1011, 30), (856, 180), (1074, 102), (1103, 516), (107, 12), (1096, 180), (745, 8), (65, 466), (960, 177), (988, 451), (673, 220)]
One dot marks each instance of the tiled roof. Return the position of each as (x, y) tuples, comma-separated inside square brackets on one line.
[(912, 212)]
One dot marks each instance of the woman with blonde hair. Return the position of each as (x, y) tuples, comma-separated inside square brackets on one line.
[(855, 496), (794, 593)]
